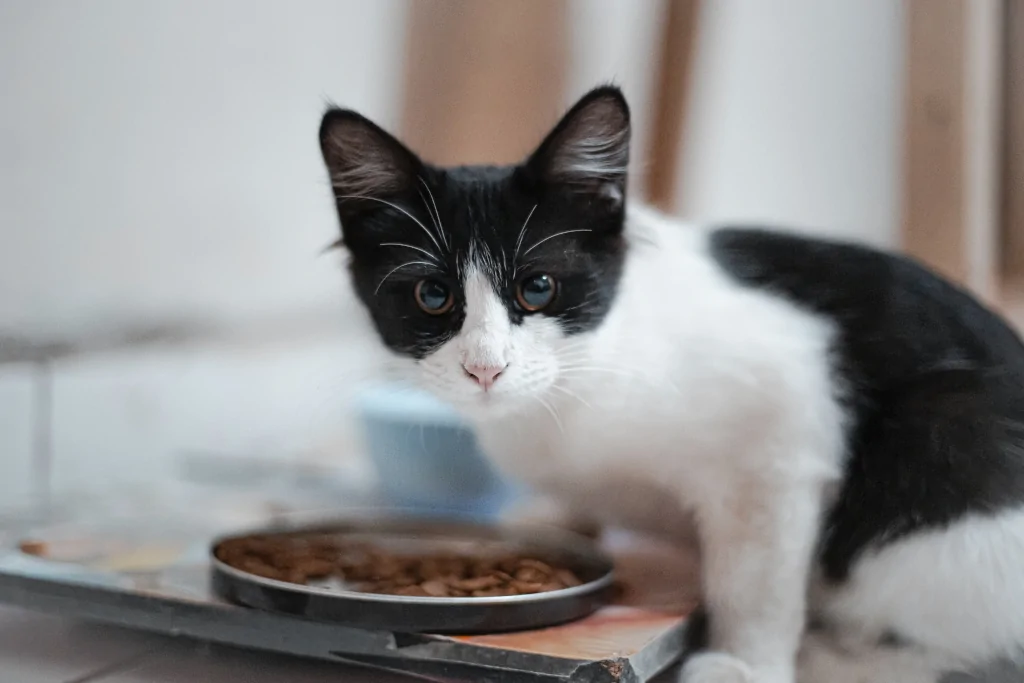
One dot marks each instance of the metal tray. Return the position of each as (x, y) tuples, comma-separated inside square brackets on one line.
[(429, 614)]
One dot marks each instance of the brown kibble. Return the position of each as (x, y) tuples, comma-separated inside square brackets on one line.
[(435, 588), (524, 587), (496, 592), (539, 566), (477, 583), (297, 559), (566, 578), (316, 568), (36, 548), (296, 576), (531, 575)]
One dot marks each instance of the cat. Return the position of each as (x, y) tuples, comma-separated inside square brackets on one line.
[(844, 428)]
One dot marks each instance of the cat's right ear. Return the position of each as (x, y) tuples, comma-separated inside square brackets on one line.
[(366, 164), (587, 153)]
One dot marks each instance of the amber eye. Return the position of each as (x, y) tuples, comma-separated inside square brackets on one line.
[(535, 292), (433, 297)]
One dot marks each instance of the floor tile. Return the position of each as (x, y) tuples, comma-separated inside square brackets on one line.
[(190, 663), (45, 649)]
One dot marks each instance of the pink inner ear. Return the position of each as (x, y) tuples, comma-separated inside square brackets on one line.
[(360, 167), (362, 159), (592, 148)]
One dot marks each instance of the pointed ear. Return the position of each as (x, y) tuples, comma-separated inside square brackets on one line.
[(362, 159), (588, 151)]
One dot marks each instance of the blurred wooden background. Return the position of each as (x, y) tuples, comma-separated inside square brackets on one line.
[(470, 64), (486, 80)]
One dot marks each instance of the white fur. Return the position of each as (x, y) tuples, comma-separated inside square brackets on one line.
[(957, 590), (598, 149), (715, 406)]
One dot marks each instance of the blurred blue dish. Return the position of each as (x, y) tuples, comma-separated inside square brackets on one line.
[(427, 458)]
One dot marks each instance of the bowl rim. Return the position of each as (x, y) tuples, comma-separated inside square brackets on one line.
[(585, 549)]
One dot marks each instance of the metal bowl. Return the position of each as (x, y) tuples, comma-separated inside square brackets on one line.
[(429, 614)]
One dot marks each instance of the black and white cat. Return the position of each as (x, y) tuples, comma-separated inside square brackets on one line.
[(845, 428)]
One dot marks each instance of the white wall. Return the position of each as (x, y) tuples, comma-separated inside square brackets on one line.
[(160, 157), (158, 160), (617, 41), (795, 116)]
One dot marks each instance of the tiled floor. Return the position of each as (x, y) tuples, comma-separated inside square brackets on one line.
[(43, 649), (46, 649)]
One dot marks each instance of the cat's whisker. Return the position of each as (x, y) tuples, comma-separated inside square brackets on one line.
[(396, 268), (557, 234), (572, 394), (433, 219), (568, 368), (409, 246), (519, 242), (575, 344), (583, 353), (578, 356), (438, 223), (396, 207), (554, 413), (576, 352), (586, 300), (582, 370)]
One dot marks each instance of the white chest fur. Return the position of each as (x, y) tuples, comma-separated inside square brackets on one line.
[(675, 392)]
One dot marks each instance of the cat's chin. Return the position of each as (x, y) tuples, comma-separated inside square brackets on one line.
[(487, 407)]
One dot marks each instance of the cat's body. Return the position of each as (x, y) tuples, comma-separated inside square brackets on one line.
[(843, 427)]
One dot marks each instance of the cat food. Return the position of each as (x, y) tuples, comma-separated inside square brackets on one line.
[(301, 559), (37, 548)]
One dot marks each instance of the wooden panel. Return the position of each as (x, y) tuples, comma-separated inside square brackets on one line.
[(679, 32), (484, 79), (1013, 160), (933, 209), (953, 109)]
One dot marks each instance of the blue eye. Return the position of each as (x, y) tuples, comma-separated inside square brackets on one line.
[(433, 297), (535, 292)]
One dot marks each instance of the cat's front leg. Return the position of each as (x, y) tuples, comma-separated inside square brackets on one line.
[(757, 541)]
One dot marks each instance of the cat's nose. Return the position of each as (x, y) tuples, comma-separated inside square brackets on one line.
[(485, 375)]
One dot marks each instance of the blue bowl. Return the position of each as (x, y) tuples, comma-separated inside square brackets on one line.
[(427, 458)]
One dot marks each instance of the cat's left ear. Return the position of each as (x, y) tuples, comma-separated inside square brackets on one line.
[(588, 151), (366, 164)]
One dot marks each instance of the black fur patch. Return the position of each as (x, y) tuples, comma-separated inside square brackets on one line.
[(404, 220), (933, 380)]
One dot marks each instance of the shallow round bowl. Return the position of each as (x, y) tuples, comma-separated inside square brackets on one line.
[(430, 614)]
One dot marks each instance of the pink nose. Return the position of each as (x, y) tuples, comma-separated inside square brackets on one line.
[(485, 375)]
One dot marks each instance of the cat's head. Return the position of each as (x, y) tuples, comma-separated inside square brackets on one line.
[(486, 281)]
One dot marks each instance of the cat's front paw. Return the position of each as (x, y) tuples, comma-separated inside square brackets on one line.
[(720, 667), (716, 667)]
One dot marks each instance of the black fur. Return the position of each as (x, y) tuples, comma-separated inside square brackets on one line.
[(933, 380), (482, 211)]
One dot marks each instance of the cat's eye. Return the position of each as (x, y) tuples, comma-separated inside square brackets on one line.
[(433, 297), (535, 292)]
